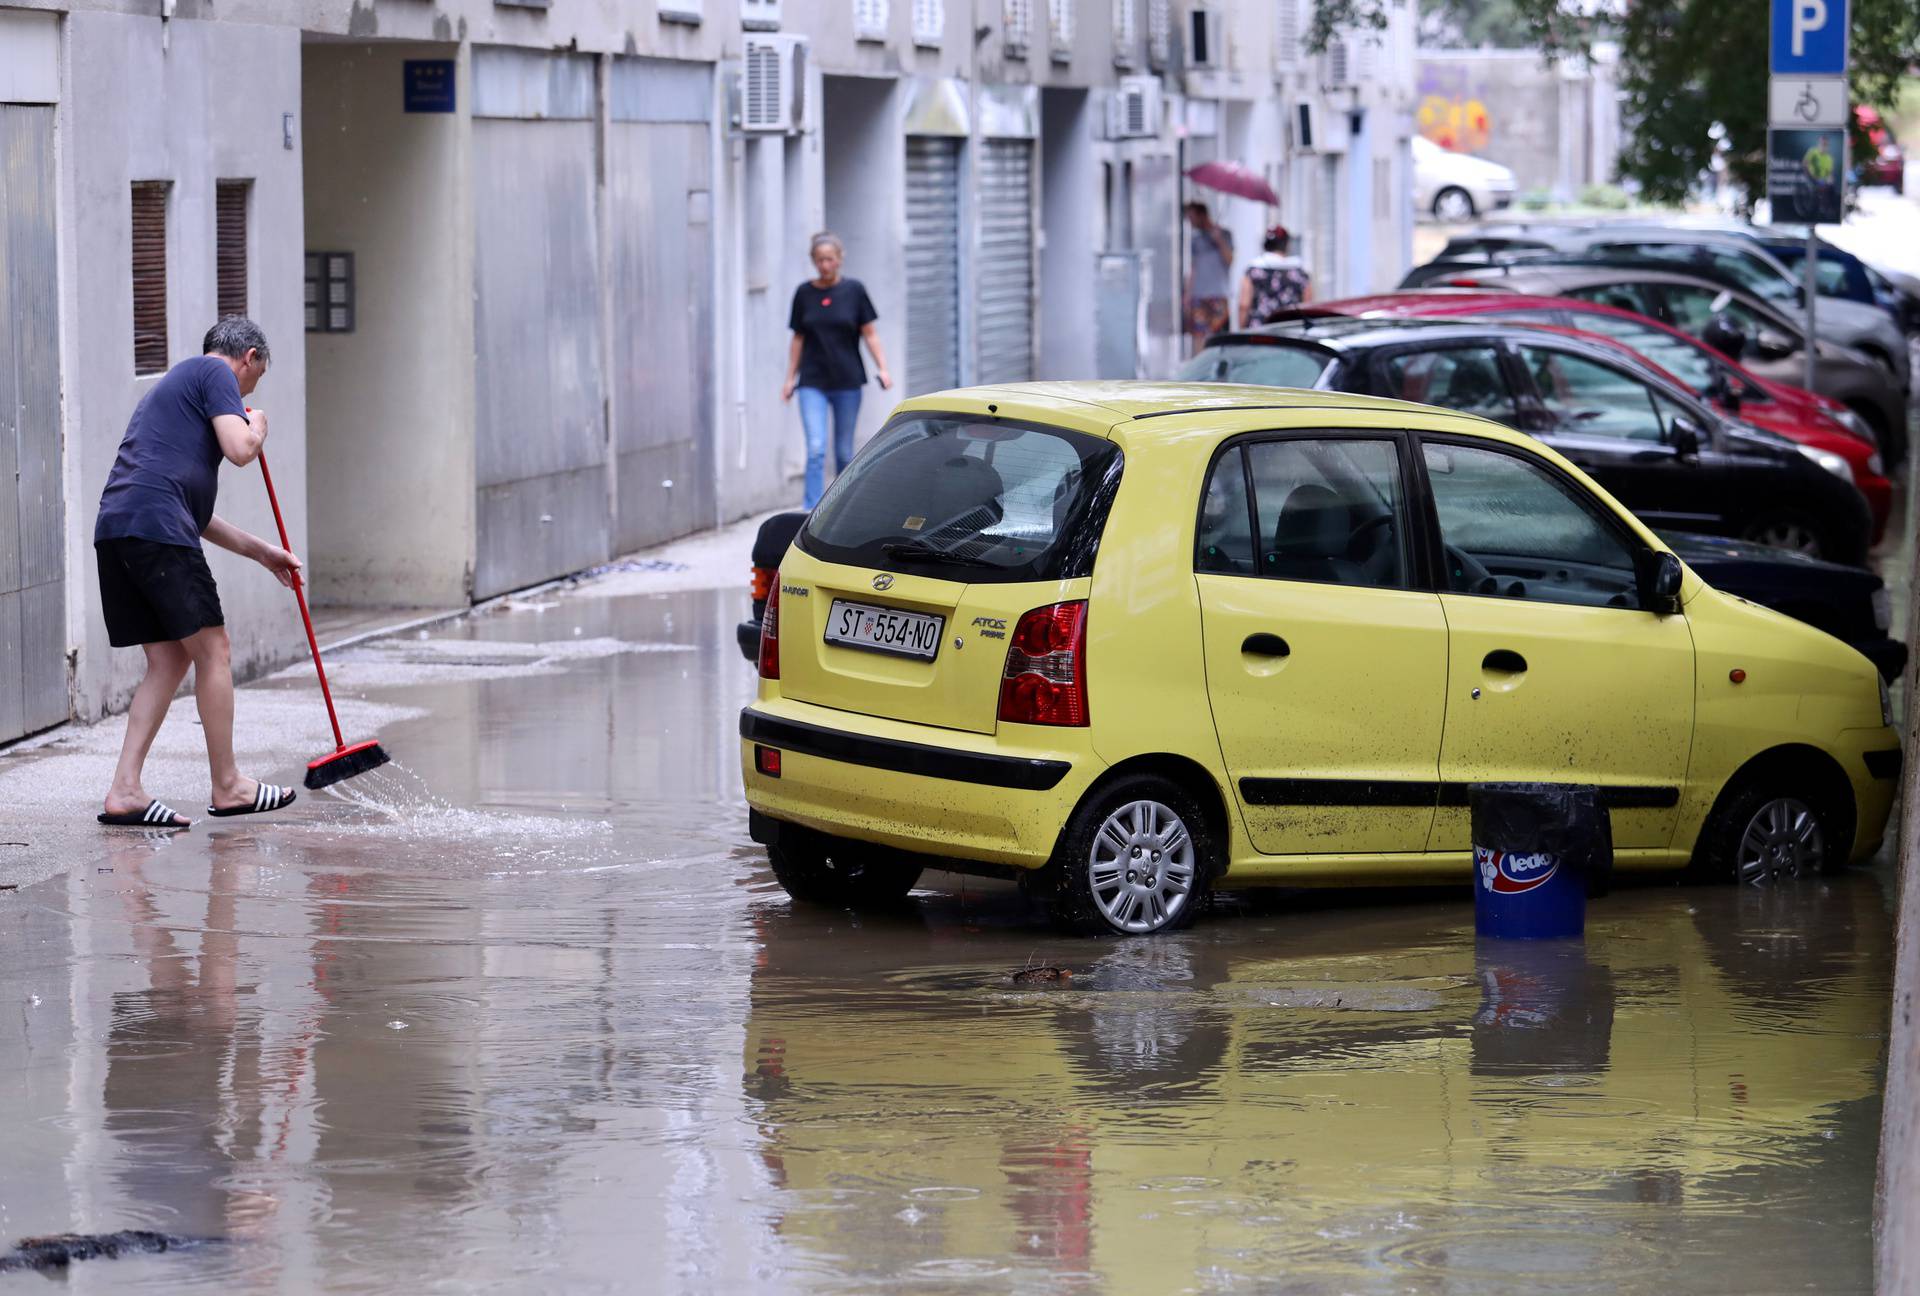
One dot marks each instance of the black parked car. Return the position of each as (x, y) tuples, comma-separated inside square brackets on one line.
[(769, 547), (1849, 603), (1666, 456)]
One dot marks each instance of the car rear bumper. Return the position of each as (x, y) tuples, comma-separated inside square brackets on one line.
[(932, 791)]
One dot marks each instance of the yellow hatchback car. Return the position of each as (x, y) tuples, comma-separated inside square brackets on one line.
[(1129, 641)]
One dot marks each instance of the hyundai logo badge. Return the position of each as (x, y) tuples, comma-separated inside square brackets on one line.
[(884, 581)]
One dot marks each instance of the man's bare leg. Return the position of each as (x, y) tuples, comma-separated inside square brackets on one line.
[(213, 689), (166, 667)]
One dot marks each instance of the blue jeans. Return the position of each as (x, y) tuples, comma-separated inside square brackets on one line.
[(814, 404)]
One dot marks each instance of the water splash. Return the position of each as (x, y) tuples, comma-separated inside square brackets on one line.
[(394, 802)]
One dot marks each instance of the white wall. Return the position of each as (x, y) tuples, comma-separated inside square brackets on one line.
[(171, 115), (390, 405), (863, 177), (1071, 224)]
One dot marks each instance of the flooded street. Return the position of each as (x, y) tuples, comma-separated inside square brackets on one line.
[(528, 1012)]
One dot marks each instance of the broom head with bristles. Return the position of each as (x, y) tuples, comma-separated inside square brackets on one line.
[(348, 762)]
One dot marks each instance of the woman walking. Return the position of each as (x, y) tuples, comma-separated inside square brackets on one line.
[(1275, 283), (831, 314)]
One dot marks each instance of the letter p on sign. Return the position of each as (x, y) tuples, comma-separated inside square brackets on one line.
[(1808, 16)]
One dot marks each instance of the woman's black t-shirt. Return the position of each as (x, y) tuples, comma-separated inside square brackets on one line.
[(828, 321)]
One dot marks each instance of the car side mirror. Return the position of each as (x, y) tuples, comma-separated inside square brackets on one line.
[(1771, 346), (1660, 576), (1725, 336), (1684, 435)]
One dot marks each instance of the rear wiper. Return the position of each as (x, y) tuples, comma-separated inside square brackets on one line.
[(910, 552)]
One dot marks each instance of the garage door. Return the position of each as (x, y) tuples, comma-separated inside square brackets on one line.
[(933, 263), (1005, 275), (33, 661)]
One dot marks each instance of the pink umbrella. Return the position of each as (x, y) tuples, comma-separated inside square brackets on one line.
[(1234, 178)]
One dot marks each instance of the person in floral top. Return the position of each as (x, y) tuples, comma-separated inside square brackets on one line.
[(1275, 283)]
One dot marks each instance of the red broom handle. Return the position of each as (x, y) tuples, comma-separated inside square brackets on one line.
[(339, 740)]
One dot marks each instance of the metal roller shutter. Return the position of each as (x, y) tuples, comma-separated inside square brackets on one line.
[(1005, 277), (933, 263)]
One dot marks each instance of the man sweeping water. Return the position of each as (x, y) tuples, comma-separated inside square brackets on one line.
[(155, 587)]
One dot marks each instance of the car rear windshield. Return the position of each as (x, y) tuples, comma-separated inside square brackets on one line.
[(1264, 363), (969, 499)]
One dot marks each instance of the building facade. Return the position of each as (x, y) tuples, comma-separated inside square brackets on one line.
[(526, 265)]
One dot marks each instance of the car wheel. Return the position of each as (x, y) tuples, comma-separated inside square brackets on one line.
[(1768, 830), (818, 869), (1453, 204), (1136, 859), (1788, 531)]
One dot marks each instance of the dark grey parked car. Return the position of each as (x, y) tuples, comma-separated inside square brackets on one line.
[(1774, 342), (1736, 259)]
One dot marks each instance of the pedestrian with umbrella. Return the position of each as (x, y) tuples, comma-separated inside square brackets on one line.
[(1210, 250)]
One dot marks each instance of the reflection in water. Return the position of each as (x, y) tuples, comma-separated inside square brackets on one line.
[(381, 1062)]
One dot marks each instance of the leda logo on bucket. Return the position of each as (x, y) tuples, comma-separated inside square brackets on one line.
[(1508, 874)]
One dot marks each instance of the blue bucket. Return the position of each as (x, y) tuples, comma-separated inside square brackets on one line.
[(1537, 848)]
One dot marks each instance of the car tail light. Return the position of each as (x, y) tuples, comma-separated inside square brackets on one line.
[(1045, 682), (762, 582), (770, 633)]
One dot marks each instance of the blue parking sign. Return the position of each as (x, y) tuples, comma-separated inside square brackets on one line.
[(1809, 37)]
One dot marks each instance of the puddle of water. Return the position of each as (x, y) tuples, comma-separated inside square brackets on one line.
[(439, 1034)]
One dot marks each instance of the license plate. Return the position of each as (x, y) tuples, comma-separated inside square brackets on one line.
[(860, 625)]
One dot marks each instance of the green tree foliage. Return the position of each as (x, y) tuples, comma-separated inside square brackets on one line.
[(1690, 70)]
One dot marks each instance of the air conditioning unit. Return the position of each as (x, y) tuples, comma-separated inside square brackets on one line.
[(773, 85), (1206, 38), (1315, 131), (760, 15), (1134, 110)]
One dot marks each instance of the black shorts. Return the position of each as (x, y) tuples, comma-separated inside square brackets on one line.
[(153, 592)]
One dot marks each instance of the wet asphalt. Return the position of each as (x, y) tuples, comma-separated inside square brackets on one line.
[(527, 1011)]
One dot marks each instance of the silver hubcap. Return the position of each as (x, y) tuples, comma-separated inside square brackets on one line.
[(1141, 867), (1783, 839), (1788, 535), (1453, 206)]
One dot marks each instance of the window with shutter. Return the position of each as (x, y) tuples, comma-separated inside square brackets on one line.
[(1016, 27), (870, 20), (1286, 35), (150, 276), (1159, 32), (929, 21), (230, 245), (1060, 28), (1126, 32)]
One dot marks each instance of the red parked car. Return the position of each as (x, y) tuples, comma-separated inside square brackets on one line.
[(1789, 411), (1885, 162)]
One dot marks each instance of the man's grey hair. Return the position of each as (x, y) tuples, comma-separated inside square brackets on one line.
[(234, 336)]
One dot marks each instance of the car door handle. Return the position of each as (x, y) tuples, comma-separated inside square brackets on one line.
[(1503, 661), (1265, 645)]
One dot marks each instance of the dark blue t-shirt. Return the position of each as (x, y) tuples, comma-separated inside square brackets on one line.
[(829, 321), (164, 479)]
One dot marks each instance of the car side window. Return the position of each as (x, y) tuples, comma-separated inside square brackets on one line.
[(1589, 398), (1690, 309), (1684, 361), (1623, 296), (1225, 540), (1330, 510), (1466, 378), (1510, 528)]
